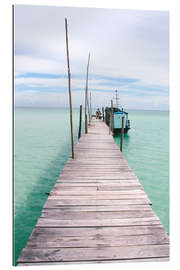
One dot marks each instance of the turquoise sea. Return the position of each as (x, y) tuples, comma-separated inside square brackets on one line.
[(42, 145)]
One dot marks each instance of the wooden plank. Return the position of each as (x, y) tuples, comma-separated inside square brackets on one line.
[(98, 178), (99, 197), (162, 259), (97, 169), (57, 203), (97, 184), (99, 187), (59, 214), (49, 222), (97, 173), (81, 193), (101, 253), (96, 161), (104, 184), (115, 208), (95, 181), (97, 231), (108, 241), (99, 181)]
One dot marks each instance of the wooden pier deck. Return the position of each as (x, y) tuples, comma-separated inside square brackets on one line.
[(97, 211)]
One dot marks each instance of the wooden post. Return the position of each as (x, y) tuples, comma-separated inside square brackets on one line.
[(103, 113), (80, 122), (122, 133), (112, 117), (86, 97), (86, 124), (106, 116), (110, 123), (90, 108), (69, 86)]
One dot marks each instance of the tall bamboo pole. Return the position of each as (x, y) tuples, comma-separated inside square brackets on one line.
[(69, 86), (86, 97)]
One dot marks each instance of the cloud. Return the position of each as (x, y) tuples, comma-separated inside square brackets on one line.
[(32, 64), (125, 44)]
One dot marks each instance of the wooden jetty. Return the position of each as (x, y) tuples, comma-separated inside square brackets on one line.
[(97, 211)]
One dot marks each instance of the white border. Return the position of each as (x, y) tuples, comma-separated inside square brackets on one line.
[(6, 128)]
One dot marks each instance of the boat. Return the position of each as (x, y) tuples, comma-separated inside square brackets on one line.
[(118, 113)]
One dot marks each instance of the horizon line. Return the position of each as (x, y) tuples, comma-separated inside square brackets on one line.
[(58, 107)]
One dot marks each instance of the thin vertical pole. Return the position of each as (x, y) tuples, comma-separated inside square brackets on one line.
[(86, 98), (103, 113), (85, 110), (90, 108), (122, 133), (80, 122), (106, 116), (69, 86), (112, 117), (110, 123), (86, 124)]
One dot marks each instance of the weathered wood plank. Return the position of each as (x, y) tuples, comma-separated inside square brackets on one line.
[(99, 197), (97, 192), (98, 208), (59, 214), (98, 241), (57, 203), (162, 259), (100, 181), (100, 188), (49, 222), (60, 184), (100, 173), (104, 184), (98, 178), (97, 231), (101, 253), (103, 188)]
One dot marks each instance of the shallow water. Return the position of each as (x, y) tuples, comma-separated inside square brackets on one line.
[(42, 145), (146, 148)]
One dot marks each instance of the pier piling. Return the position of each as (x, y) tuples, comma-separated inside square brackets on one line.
[(103, 113), (80, 121), (112, 113), (122, 134), (90, 107)]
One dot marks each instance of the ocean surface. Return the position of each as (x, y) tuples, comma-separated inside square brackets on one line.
[(42, 145)]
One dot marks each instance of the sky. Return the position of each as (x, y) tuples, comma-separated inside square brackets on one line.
[(129, 52)]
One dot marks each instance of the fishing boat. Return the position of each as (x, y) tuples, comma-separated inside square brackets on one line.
[(118, 113)]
